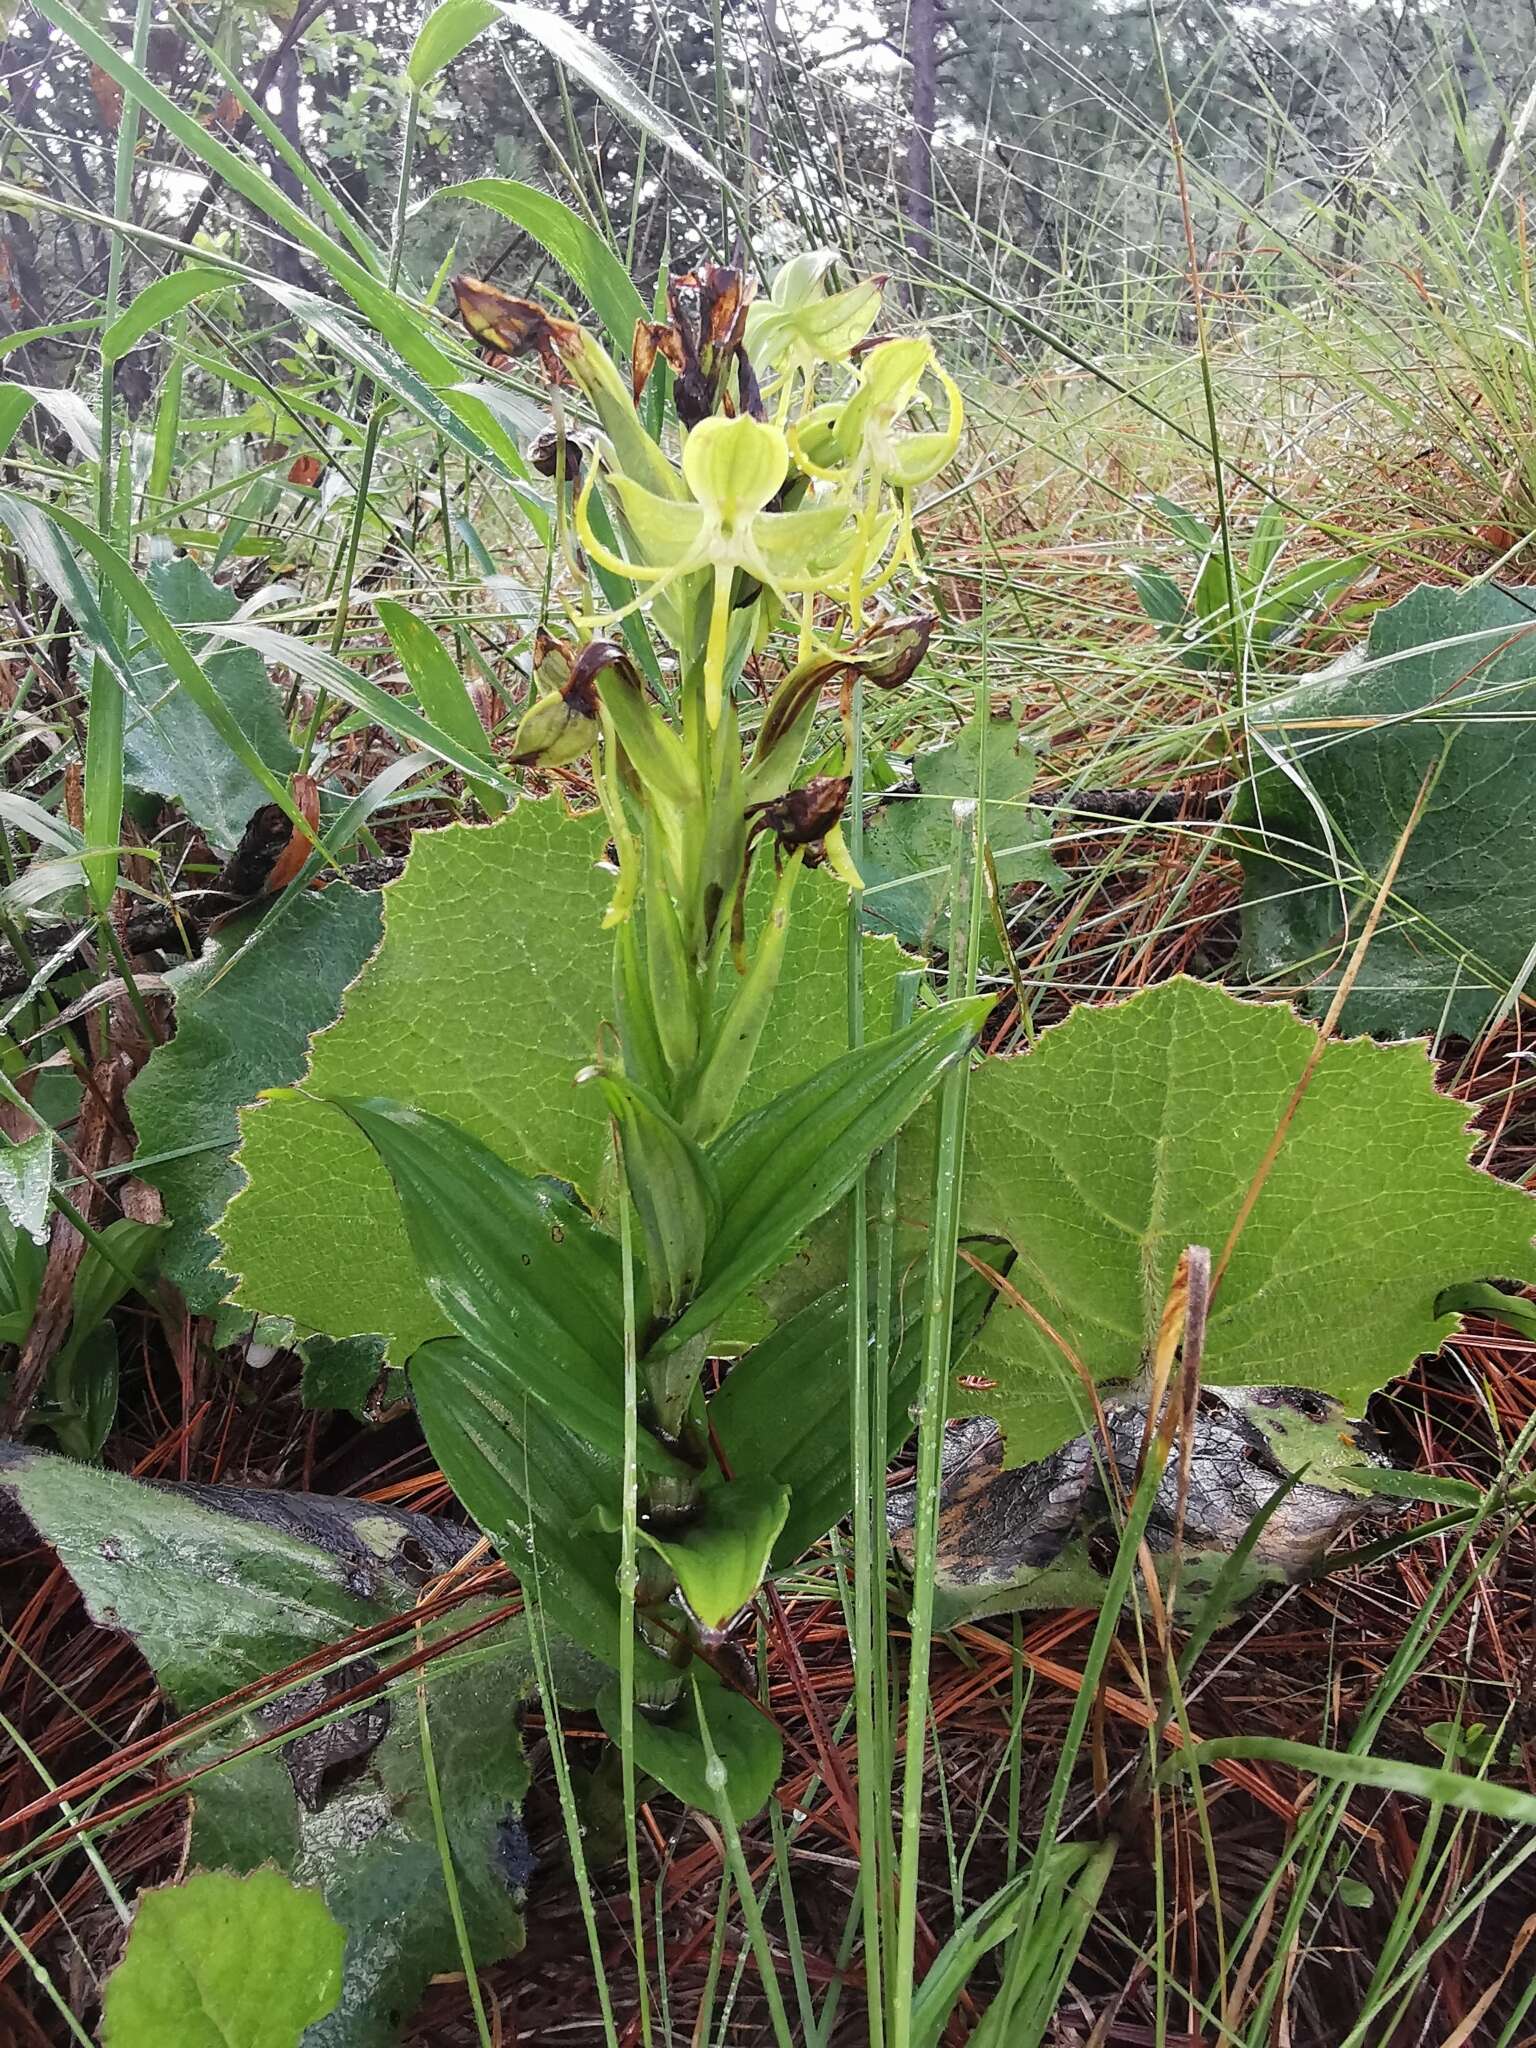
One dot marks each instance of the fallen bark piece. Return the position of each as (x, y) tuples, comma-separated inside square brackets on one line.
[(1040, 1535)]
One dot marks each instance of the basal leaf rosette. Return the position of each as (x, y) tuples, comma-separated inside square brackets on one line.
[(1135, 1130)]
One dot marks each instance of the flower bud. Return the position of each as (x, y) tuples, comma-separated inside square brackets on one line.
[(888, 654), (562, 724)]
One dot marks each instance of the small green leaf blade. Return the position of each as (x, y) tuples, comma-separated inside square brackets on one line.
[(447, 30), (668, 1746), (909, 841), (721, 1555), (26, 1178), (439, 688), (222, 1961), (159, 302), (1161, 598), (786, 1164)]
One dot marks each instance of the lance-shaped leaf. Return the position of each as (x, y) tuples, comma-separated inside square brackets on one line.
[(519, 1270), (783, 1411), (720, 1554), (1134, 1131), (739, 1032), (673, 1187), (545, 1497), (786, 1164), (440, 689)]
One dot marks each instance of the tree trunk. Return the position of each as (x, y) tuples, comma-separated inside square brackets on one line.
[(923, 21)]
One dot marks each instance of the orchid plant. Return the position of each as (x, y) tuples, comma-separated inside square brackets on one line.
[(802, 443)]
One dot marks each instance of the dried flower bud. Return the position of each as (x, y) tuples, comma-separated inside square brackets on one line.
[(803, 816), (554, 446), (654, 338), (506, 326), (701, 342)]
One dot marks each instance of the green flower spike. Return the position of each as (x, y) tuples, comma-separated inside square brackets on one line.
[(801, 325), (734, 469)]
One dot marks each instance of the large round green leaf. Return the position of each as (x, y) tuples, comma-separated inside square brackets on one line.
[(1136, 1130)]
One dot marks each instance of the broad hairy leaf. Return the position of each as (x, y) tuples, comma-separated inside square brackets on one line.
[(244, 1015), (371, 1846), (211, 1602), (910, 840), (1135, 1130), (221, 1586), (484, 1001), (222, 1961), (521, 1272), (1447, 685)]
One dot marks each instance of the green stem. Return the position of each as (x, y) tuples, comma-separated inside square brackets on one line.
[(628, 1583), (938, 1322), (869, 1617)]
